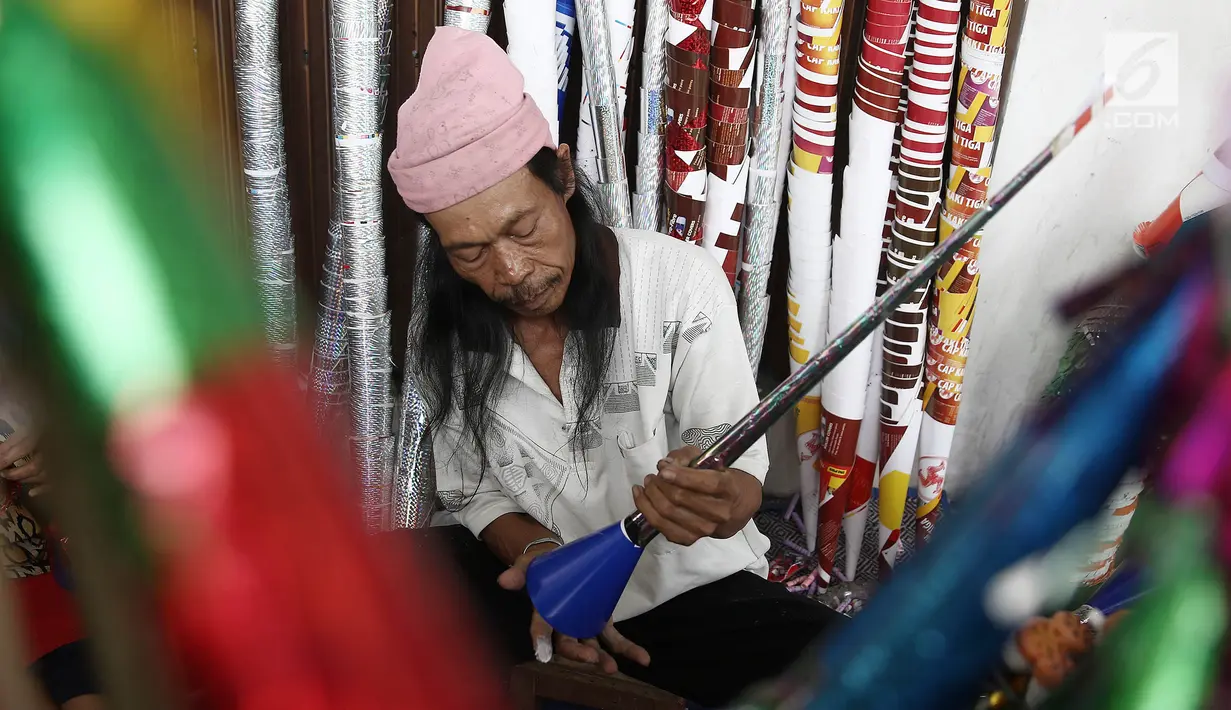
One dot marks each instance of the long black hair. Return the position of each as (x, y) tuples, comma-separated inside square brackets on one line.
[(465, 339)]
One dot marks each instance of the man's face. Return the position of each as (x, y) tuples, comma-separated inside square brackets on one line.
[(514, 240)]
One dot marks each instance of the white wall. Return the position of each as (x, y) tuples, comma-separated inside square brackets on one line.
[(1076, 220)]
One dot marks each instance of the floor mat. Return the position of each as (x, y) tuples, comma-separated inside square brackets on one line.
[(779, 519)]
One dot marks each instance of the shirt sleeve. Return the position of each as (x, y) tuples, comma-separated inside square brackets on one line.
[(713, 386), (473, 495)]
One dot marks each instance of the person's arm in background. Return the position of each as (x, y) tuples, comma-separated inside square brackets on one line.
[(21, 462), (713, 388), (20, 459)]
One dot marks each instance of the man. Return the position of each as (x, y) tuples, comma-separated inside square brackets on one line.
[(572, 373)]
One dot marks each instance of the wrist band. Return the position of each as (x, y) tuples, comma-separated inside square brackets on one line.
[(540, 541)]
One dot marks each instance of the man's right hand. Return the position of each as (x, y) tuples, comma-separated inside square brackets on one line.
[(581, 650)]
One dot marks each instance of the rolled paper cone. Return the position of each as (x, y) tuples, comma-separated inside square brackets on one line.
[(863, 474), (856, 261), (1108, 530), (952, 311), (808, 287), (1211, 188), (620, 16), (917, 208), (787, 100), (730, 62), (856, 258), (356, 29), (853, 289), (472, 15), (935, 443), (762, 204), (258, 100), (532, 47), (897, 460), (821, 14), (686, 99), (566, 26), (948, 347), (647, 200), (808, 290), (722, 222), (330, 372), (414, 477), (809, 203)]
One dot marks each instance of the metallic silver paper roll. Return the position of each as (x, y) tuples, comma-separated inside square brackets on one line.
[(647, 200), (414, 475), (473, 15), (605, 112), (763, 197), (358, 52), (330, 374), (258, 95)]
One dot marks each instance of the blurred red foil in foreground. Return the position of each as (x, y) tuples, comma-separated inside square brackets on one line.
[(274, 597)]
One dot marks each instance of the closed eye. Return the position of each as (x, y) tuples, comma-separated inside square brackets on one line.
[(521, 232), (469, 255)]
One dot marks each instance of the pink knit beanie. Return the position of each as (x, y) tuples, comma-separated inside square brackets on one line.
[(467, 126)]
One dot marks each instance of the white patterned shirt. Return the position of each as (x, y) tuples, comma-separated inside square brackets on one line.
[(679, 375)]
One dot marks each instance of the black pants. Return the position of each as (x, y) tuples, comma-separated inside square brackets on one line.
[(705, 645), (67, 673)]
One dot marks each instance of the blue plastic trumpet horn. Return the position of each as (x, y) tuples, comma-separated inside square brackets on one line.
[(576, 587)]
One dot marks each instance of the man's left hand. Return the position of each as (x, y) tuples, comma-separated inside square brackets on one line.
[(686, 504)]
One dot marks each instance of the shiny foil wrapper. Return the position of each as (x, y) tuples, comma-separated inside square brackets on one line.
[(358, 47), (472, 15), (258, 95), (605, 116), (762, 204), (330, 373), (647, 199), (371, 407), (414, 476), (612, 198)]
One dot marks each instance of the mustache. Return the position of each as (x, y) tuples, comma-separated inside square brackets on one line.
[(525, 292)]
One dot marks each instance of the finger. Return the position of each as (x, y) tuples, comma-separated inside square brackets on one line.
[(713, 509), (514, 578), (39, 490), (605, 661), (30, 471), (575, 650), (683, 456), (678, 505), (540, 636), (710, 483), (670, 529), (621, 645), (14, 449)]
